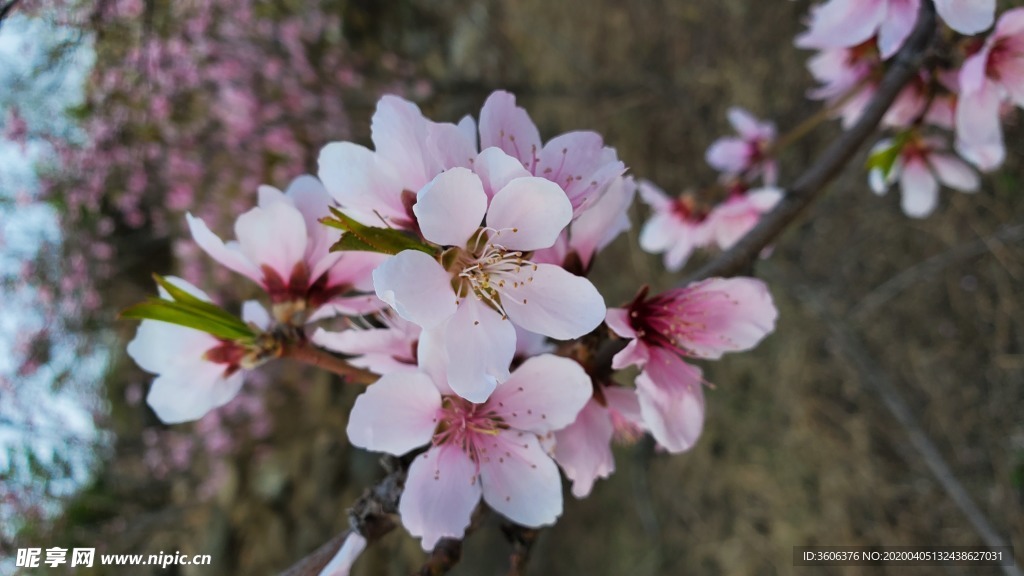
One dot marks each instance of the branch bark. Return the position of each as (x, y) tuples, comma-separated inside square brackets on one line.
[(811, 184)]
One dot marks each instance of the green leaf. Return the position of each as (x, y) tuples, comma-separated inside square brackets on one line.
[(885, 158), (184, 309), (189, 316), (356, 236)]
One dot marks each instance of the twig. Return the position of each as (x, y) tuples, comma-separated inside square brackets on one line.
[(372, 516), (892, 287), (309, 354), (811, 184), (848, 345), (445, 555), (522, 540)]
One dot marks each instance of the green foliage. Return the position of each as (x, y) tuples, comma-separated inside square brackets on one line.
[(186, 310), (885, 158), (356, 236)]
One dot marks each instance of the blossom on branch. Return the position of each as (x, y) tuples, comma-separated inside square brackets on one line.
[(745, 156), (491, 450), (677, 226), (920, 164), (196, 372), (703, 320)]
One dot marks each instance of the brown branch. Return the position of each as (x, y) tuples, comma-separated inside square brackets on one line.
[(372, 516), (522, 539), (811, 184), (308, 354), (445, 555)]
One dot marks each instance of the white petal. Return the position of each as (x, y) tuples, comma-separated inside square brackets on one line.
[(967, 16), (362, 182), (254, 313), (496, 169), (399, 133), (274, 236), (551, 301), (440, 493), (920, 191), (191, 391), (417, 287), (520, 480), (215, 247), (528, 214), (544, 394), (480, 346), (395, 415), (451, 207), (583, 450)]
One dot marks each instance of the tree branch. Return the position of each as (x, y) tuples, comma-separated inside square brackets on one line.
[(811, 184), (522, 539), (308, 354)]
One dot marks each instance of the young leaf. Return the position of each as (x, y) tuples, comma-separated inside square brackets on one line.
[(885, 158), (356, 236), (189, 316)]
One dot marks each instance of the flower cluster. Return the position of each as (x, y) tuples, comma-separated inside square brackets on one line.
[(960, 96), (460, 280)]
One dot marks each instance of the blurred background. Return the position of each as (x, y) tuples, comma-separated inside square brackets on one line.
[(121, 115)]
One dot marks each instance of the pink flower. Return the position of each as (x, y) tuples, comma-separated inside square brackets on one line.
[(196, 372), (992, 76), (594, 228), (677, 226), (490, 450), (578, 162), (703, 320), (732, 219), (484, 278), (846, 23), (745, 155), (380, 350), (282, 246), (847, 78), (921, 165), (583, 449)]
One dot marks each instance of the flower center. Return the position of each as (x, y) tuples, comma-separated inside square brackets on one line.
[(467, 426), (488, 270)]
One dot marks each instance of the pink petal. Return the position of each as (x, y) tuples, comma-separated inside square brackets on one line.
[(440, 494), (671, 401), (618, 320), (729, 155), (663, 231), (920, 191), (480, 346), (555, 303), (363, 183), (417, 287), (520, 480), (399, 133), (954, 172), (274, 236), (215, 247), (191, 390), (967, 16), (897, 25), (395, 415), (506, 126), (603, 220), (747, 125), (735, 314), (583, 450), (978, 128), (636, 353), (528, 214), (579, 163), (1011, 74), (624, 403), (843, 23), (451, 207), (496, 169), (544, 394), (381, 350), (449, 146), (653, 196)]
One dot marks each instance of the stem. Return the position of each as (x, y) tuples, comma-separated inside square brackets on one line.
[(445, 555), (811, 184), (308, 354)]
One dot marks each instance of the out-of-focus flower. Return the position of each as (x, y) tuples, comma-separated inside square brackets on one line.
[(196, 372), (848, 79), (920, 165), (676, 228), (484, 283), (741, 211), (967, 16), (702, 320), (988, 79), (490, 450), (282, 246), (745, 155)]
